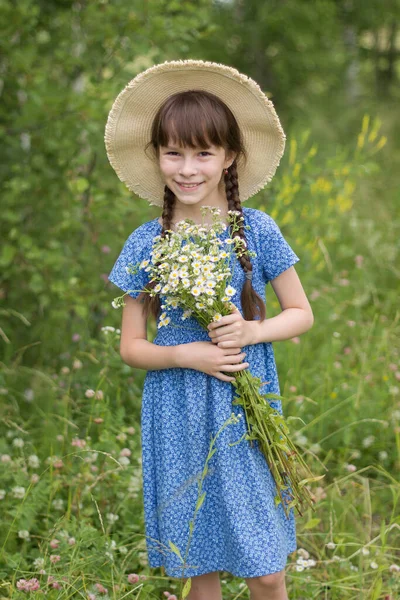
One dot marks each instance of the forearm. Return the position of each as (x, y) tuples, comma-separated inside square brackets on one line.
[(288, 324), (142, 354)]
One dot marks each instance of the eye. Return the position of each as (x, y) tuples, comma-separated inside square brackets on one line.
[(172, 152), (205, 152)]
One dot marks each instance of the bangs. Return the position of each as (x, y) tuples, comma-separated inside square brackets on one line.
[(192, 119)]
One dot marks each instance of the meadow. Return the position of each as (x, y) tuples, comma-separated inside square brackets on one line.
[(70, 463)]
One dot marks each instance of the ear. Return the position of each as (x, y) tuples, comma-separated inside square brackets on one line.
[(229, 158)]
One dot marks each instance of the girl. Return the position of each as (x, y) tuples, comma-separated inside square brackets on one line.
[(183, 135)]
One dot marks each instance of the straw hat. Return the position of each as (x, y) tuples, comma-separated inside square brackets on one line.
[(129, 124)]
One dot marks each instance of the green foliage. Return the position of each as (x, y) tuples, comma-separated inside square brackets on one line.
[(331, 69)]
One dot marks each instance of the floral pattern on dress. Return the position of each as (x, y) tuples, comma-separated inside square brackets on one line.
[(238, 528)]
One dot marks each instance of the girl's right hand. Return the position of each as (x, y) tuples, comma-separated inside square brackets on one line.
[(211, 359)]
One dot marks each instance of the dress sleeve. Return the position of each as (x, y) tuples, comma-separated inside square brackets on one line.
[(134, 251), (276, 255)]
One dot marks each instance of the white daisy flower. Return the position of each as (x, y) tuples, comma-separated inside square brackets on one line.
[(230, 291), (211, 283), (195, 291), (209, 292)]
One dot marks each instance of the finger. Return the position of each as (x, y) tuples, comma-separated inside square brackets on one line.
[(225, 377), (234, 358), (229, 351), (230, 368), (227, 344)]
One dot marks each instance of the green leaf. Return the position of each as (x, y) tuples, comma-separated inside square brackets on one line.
[(175, 549), (186, 588), (7, 254), (312, 523), (376, 593), (303, 482), (200, 500)]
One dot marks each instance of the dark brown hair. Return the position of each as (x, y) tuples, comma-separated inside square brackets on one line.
[(197, 118)]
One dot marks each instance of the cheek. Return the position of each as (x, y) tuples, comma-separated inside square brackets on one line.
[(166, 168)]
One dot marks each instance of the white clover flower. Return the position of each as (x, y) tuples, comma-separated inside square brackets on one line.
[(365, 551), (112, 518), (18, 491), (2, 494), (29, 394), (24, 535), (368, 441), (38, 563), (18, 442), (124, 461), (383, 455), (373, 565), (58, 504), (33, 461), (331, 545), (394, 568)]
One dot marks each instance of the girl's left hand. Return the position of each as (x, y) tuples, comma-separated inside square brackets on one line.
[(231, 331)]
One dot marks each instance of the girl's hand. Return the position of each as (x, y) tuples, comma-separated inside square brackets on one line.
[(210, 359), (231, 331)]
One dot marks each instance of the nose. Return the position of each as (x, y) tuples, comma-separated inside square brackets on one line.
[(187, 167)]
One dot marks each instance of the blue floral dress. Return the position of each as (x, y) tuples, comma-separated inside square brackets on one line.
[(238, 528)]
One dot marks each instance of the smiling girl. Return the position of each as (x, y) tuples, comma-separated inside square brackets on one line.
[(183, 135)]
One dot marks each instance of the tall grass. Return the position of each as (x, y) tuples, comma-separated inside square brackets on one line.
[(70, 466)]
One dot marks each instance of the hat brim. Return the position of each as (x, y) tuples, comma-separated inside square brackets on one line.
[(129, 124)]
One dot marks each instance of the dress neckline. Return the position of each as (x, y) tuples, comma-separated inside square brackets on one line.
[(222, 233)]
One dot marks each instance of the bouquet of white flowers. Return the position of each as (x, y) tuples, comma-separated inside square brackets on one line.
[(192, 272)]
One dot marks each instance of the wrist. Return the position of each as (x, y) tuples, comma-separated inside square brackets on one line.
[(179, 356), (254, 327)]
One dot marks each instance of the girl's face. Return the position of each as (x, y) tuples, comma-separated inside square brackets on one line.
[(195, 175)]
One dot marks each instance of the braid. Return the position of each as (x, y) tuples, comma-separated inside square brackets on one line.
[(250, 300), (152, 304)]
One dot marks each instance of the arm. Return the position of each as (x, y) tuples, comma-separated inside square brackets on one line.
[(136, 351), (296, 316)]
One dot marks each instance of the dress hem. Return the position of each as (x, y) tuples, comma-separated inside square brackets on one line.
[(223, 570)]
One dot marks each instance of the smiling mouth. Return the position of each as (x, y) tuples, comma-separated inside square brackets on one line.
[(188, 185)]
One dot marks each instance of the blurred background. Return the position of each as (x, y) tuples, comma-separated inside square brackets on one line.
[(331, 68)]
